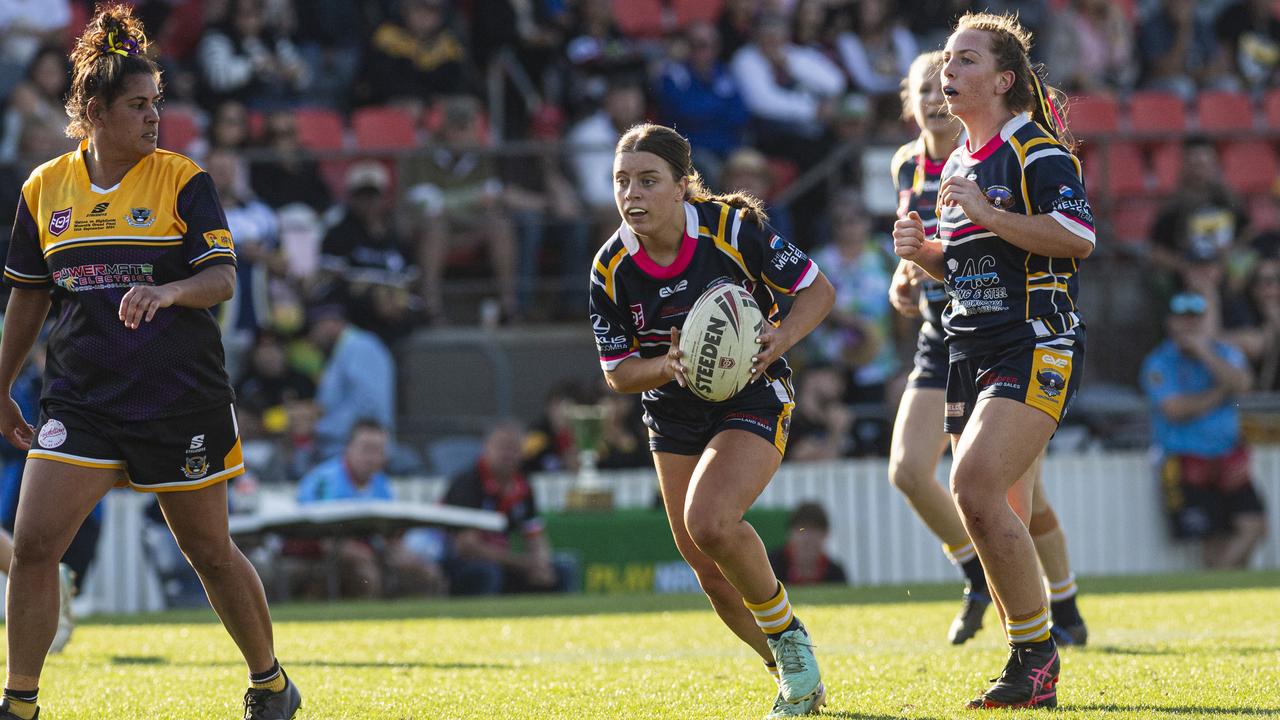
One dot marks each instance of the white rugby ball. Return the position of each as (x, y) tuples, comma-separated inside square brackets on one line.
[(718, 341)]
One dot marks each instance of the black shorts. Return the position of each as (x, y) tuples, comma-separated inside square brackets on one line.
[(687, 428), (1043, 373), (186, 452), (932, 363), (1203, 495)]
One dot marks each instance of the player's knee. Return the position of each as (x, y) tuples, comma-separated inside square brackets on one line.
[(209, 558), (710, 532), (38, 547), (906, 476)]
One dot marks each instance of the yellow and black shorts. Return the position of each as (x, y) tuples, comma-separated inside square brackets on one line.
[(185, 452), (1043, 373)]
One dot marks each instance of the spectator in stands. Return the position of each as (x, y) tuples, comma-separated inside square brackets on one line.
[(593, 139), (364, 253), (25, 27), (596, 52), (877, 54), (736, 25), (289, 176), (822, 424), (375, 566), (549, 445), (249, 59), (413, 62), (699, 95), (1192, 381), (1257, 333), (1248, 32), (1176, 49), (1091, 43), (1204, 217), (624, 439), (485, 563), (789, 90), (34, 116), (803, 560), (859, 331), (330, 36), (358, 381), (229, 126), (457, 200), (748, 170), (268, 385)]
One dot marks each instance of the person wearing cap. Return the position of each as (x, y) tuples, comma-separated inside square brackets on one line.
[(1192, 381)]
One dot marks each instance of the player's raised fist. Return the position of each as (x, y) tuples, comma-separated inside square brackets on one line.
[(908, 236)]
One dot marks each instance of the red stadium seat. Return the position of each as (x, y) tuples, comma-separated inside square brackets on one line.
[(1166, 162), (691, 11), (178, 129), (640, 18), (1131, 222), (1224, 111), (1271, 108), (1249, 166), (1157, 112), (1115, 170), (319, 128), (1263, 214), (383, 128), (1094, 115)]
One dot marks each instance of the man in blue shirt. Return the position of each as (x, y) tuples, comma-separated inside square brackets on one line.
[(1192, 380), (359, 378)]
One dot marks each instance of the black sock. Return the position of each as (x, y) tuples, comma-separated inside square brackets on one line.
[(795, 623), (975, 575), (1065, 612)]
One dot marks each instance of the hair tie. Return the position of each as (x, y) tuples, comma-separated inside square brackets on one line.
[(124, 48)]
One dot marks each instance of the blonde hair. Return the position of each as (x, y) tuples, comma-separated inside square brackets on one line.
[(1011, 46), (923, 64), (112, 47), (672, 147)]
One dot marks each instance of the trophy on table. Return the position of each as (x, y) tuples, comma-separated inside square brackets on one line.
[(589, 491)]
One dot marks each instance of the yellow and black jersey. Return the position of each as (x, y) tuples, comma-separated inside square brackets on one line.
[(161, 223), (635, 302), (917, 178), (1000, 293)]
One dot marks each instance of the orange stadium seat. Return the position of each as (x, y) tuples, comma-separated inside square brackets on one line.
[(1224, 111), (691, 11), (640, 18), (319, 128), (1115, 170), (383, 128), (1271, 108), (1132, 221), (1166, 162), (1249, 166), (178, 129), (1157, 112), (1094, 115)]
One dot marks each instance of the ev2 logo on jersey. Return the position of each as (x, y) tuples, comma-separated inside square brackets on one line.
[(670, 290), (1048, 359)]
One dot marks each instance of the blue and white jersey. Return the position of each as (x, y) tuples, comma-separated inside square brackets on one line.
[(1000, 293), (917, 178)]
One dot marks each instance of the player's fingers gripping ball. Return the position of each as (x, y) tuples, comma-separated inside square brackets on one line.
[(718, 342), (674, 362)]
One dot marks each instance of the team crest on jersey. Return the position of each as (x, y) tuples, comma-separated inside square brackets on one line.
[(1000, 196), (197, 466), (637, 315), (59, 221), (140, 217), (1051, 382)]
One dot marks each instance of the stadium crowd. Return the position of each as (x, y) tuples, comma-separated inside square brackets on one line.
[(393, 165)]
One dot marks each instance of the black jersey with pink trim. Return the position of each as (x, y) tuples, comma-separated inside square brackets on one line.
[(1000, 293), (635, 302), (917, 178)]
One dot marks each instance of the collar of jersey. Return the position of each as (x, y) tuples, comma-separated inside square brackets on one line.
[(82, 170), (1006, 132), (646, 263)]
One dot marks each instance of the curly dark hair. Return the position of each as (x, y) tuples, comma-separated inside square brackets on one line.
[(112, 47)]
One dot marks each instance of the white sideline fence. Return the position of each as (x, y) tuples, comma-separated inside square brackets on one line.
[(1108, 503)]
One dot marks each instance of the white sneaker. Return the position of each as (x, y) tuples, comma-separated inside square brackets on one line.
[(66, 622)]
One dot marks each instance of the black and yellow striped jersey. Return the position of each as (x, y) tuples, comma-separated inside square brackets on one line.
[(917, 177), (1000, 293), (635, 302), (163, 222)]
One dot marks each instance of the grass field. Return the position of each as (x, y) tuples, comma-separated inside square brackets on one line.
[(1186, 646)]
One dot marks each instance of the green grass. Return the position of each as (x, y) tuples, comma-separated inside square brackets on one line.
[(1185, 646)]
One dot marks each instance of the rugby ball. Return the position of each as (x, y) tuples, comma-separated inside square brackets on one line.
[(718, 341)]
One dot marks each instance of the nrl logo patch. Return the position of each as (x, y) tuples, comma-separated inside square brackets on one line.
[(140, 217), (59, 221)]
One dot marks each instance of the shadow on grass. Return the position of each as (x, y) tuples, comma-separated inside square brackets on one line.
[(1206, 649), (577, 605), (1177, 710), (351, 664)]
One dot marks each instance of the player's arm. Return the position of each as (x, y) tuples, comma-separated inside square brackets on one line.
[(210, 286), (1038, 234), (811, 306), (910, 243), (637, 374)]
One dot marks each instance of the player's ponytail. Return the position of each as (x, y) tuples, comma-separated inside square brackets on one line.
[(1011, 46), (672, 147), (112, 47)]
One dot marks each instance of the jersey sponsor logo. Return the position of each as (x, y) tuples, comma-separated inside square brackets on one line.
[(140, 217), (776, 242), (637, 315), (218, 239), (599, 325), (670, 290), (103, 275), (976, 286), (52, 434), (1066, 191), (99, 209), (1078, 206), (763, 423), (955, 409), (196, 467), (1059, 362), (1005, 381), (59, 221), (197, 443), (788, 255), (1000, 196)]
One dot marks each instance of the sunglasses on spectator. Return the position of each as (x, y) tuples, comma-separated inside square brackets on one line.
[(1187, 304)]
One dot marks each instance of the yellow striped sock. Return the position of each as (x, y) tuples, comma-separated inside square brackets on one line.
[(1062, 590), (25, 709), (773, 671), (773, 615), (1031, 629), (960, 554), (272, 680)]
